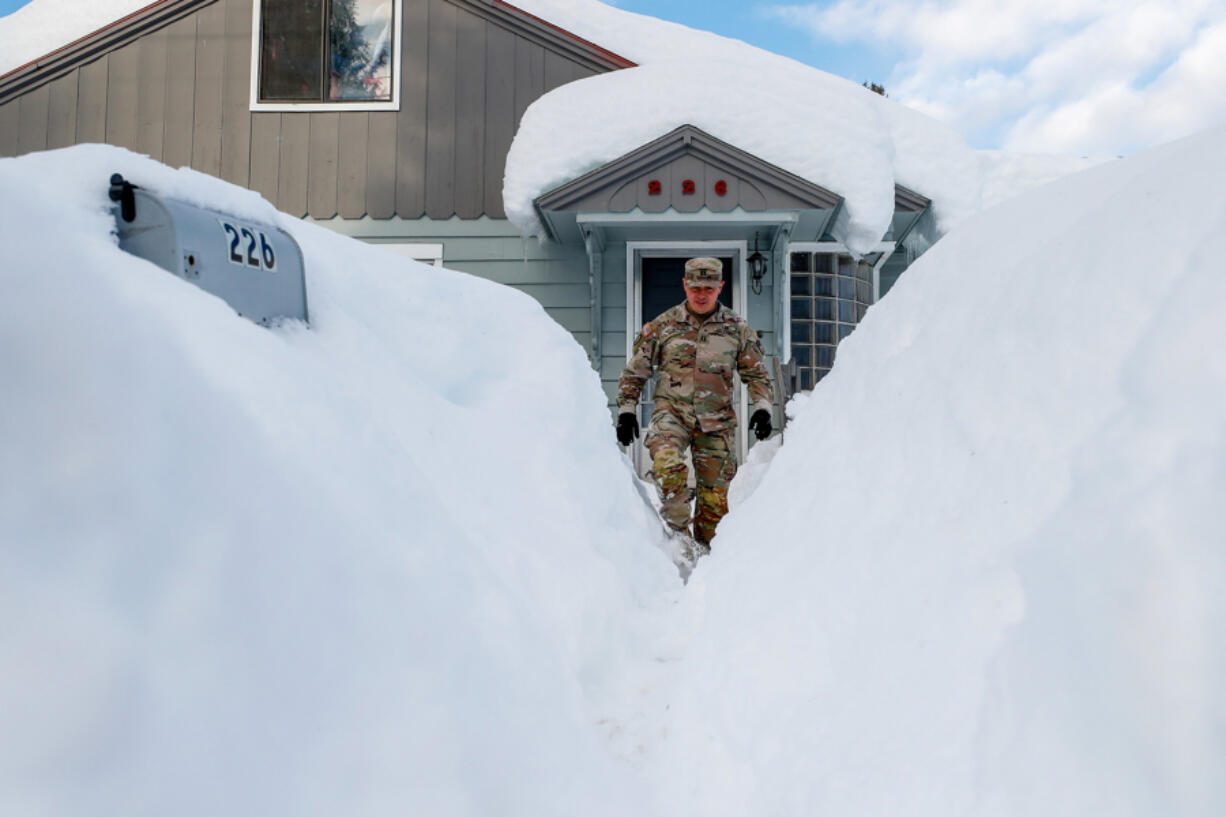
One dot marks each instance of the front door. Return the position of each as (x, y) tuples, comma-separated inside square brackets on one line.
[(657, 286)]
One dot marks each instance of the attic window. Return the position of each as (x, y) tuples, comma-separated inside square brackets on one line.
[(326, 54)]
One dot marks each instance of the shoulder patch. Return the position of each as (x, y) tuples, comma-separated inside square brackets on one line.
[(646, 329)]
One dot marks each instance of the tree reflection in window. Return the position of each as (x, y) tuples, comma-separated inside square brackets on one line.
[(360, 41), (353, 63)]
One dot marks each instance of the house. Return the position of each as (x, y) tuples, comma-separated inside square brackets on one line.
[(391, 121)]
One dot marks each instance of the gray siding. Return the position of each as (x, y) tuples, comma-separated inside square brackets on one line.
[(180, 93), (177, 123), (210, 74), (10, 127), (91, 102), (151, 98), (34, 107), (122, 93), (62, 116), (555, 275)]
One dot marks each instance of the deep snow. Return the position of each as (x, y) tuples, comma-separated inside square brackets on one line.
[(394, 563), (376, 566)]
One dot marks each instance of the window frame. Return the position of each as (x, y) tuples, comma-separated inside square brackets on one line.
[(256, 104), (835, 249), (418, 251)]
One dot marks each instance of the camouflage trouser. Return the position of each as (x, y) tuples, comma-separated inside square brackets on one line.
[(714, 466)]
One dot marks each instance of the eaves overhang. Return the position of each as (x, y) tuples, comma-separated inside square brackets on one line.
[(517, 19), (689, 142), (908, 201)]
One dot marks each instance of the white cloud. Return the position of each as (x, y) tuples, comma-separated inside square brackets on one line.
[(1185, 97), (1077, 76)]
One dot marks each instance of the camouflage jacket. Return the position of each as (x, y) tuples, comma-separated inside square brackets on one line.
[(695, 362)]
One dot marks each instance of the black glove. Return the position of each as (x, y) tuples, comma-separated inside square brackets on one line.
[(628, 428), (760, 422)]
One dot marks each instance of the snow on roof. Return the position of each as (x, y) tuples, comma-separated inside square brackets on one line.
[(821, 127), (44, 26)]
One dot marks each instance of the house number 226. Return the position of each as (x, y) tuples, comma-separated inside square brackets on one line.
[(248, 247)]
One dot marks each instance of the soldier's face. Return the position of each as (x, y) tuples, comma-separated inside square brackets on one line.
[(701, 299)]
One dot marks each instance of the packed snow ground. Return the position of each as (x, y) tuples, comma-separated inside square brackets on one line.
[(394, 563)]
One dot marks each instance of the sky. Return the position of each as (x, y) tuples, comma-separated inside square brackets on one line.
[(1071, 77), (1074, 77)]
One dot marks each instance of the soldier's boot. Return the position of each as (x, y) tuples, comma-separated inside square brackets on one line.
[(689, 551)]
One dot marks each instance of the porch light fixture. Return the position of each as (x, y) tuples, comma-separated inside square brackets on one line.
[(757, 266)]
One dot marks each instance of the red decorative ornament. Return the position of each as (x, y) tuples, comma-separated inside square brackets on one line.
[(721, 188), (653, 187), (687, 187)]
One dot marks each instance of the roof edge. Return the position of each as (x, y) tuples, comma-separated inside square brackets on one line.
[(161, 12), (111, 36), (908, 200), (602, 56)]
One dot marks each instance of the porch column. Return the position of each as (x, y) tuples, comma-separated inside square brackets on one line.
[(593, 242), (781, 261)]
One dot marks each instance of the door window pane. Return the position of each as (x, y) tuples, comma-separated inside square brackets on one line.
[(801, 308), (823, 309), (802, 285)]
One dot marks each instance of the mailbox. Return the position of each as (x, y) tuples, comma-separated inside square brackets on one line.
[(255, 268)]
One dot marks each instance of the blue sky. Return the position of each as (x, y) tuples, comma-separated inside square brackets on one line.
[(750, 21), (1078, 77)]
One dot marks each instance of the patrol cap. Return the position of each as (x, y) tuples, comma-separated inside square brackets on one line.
[(704, 272)]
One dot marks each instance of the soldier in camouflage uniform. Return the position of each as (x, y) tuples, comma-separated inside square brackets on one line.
[(695, 347)]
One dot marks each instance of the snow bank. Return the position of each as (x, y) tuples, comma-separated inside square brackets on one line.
[(821, 127), (390, 564), (984, 574)]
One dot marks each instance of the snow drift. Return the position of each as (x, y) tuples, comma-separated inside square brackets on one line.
[(985, 573), (381, 566), (394, 563)]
